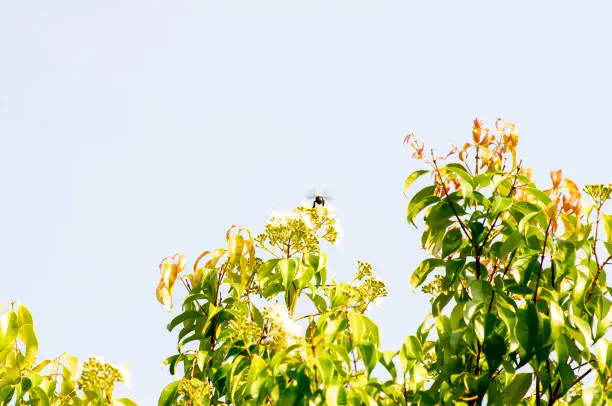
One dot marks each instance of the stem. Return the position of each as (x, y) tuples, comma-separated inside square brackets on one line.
[(596, 234), (535, 294), (583, 364), (550, 392), (580, 378), (478, 358), (599, 268), (484, 242), (450, 202), (538, 396), (308, 315), (503, 276), (350, 337), (594, 283), (518, 169), (213, 337), (464, 288), (553, 399)]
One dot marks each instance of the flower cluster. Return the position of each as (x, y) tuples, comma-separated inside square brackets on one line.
[(365, 288), (280, 330), (245, 330), (599, 193), (99, 375), (299, 231), (193, 392), (435, 288)]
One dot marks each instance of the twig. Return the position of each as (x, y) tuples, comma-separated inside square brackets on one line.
[(450, 202), (535, 294)]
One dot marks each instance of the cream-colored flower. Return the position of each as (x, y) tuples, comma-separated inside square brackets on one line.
[(280, 315), (126, 373)]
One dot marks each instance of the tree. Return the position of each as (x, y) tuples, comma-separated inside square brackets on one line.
[(515, 275), (24, 381)]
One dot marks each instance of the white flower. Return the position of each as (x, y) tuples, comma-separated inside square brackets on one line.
[(126, 374), (280, 316)]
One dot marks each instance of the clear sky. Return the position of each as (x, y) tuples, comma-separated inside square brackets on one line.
[(130, 130)]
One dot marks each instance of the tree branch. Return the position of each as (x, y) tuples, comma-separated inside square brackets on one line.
[(535, 293)]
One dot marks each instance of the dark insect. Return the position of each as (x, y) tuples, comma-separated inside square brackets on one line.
[(318, 199)]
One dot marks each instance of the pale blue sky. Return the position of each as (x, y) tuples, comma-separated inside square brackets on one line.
[(130, 130)]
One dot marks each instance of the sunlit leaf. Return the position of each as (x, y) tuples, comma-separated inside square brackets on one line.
[(169, 394), (516, 390)]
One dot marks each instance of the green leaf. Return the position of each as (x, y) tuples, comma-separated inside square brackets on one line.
[(266, 268), (522, 226), (423, 198), (440, 303), (386, 359), (477, 230), (413, 347), (412, 177), (127, 402), (500, 204), (201, 358), (527, 327), (26, 384), (31, 343), (512, 242), (566, 373), (189, 315), (363, 329), (494, 349), (539, 195), (516, 390), (288, 269), (442, 213), (557, 320), (235, 246), (24, 316), (465, 180), (257, 366), (9, 329), (607, 222), (481, 290), (369, 355), (602, 350), (585, 330), (335, 395), (424, 268), (451, 242), (36, 393), (591, 396)]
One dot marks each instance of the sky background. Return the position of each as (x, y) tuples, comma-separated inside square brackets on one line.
[(131, 130)]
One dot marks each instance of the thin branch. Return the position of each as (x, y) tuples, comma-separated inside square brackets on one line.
[(548, 229), (550, 392), (594, 283), (537, 385), (580, 378), (450, 202), (512, 188), (350, 337)]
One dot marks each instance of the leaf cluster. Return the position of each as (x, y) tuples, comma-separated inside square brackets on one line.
[(25, 380)]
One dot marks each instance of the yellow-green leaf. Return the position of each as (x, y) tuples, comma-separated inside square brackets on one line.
[(412, 177)]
